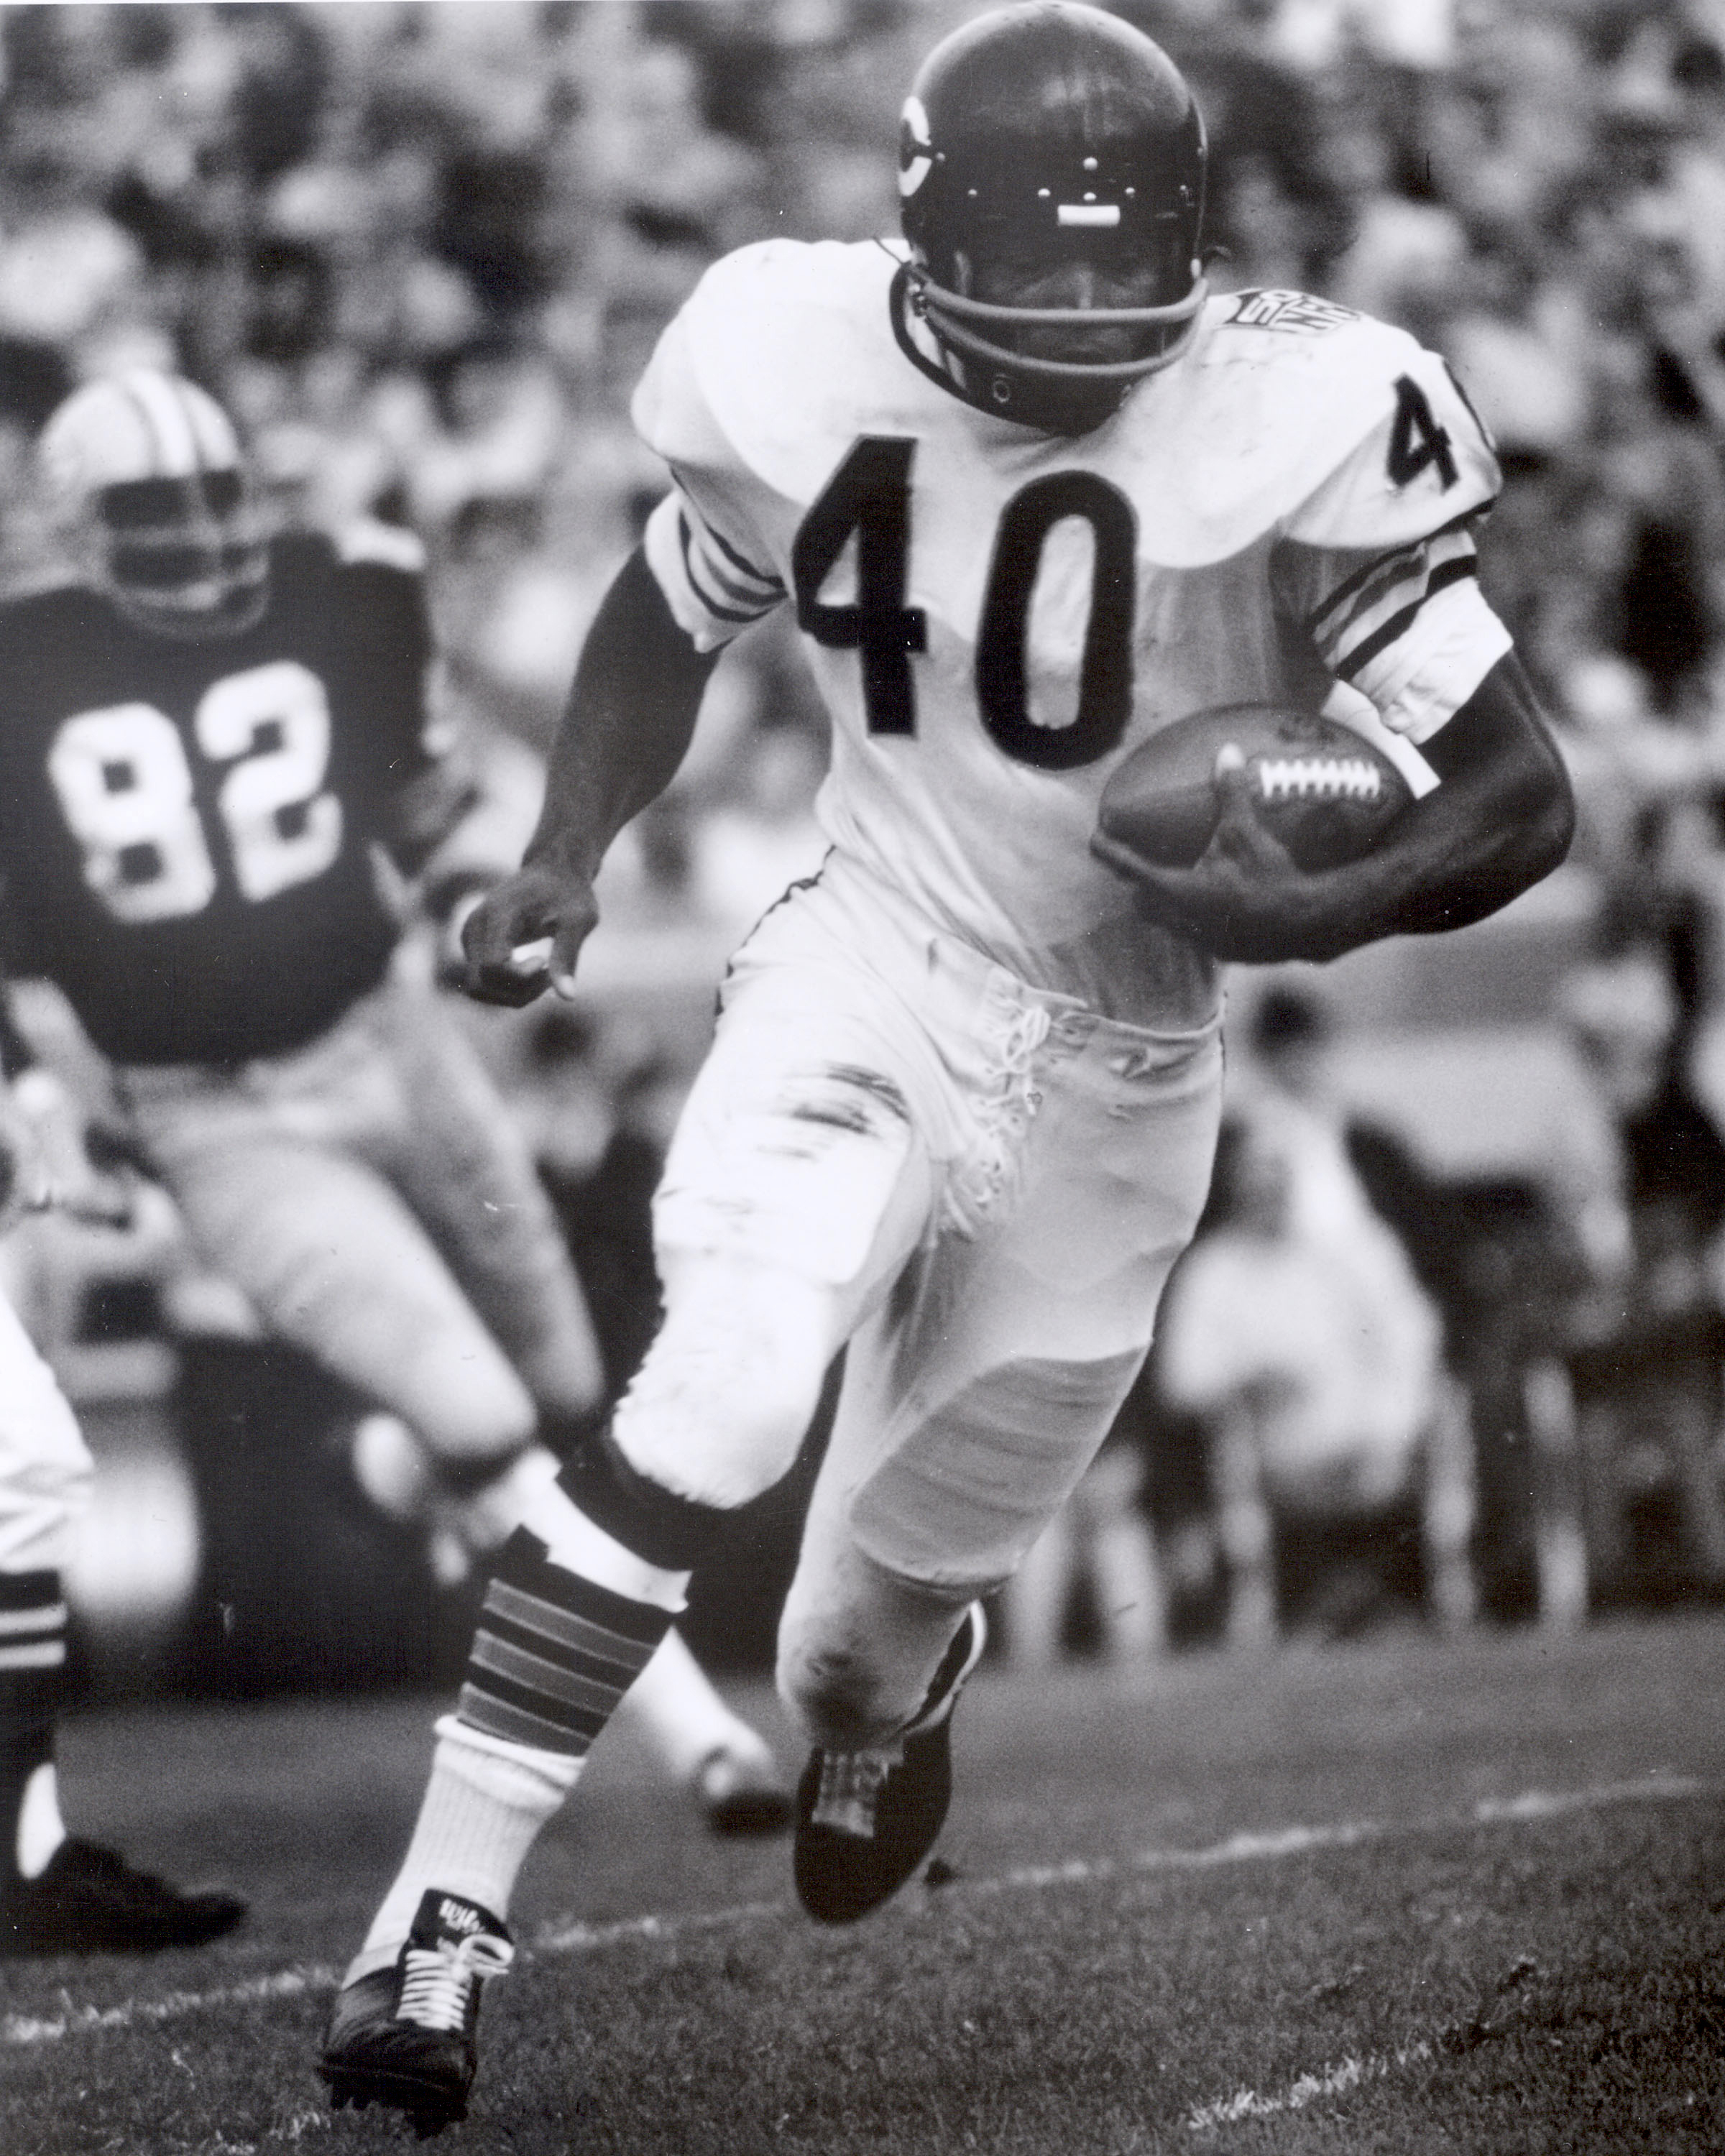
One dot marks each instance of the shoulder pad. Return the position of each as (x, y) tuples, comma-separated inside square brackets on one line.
[(1324, 425), (1416, 456), (783, 348)]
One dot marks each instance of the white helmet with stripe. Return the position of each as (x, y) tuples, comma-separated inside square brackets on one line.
[(146, 474)]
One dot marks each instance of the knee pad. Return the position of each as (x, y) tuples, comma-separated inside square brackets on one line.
[(854, 1677), (720, 1406), (842, 1699)]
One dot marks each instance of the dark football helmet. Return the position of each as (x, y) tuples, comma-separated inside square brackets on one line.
[(1035, 135), (143, 472)]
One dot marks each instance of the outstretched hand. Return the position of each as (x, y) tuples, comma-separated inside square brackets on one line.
[(1245, 899), (525, 935)]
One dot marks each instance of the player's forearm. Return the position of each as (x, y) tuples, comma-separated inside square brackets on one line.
[(627, 726), (1501, 818)]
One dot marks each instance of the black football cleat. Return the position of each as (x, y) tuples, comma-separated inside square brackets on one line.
[(407, 2034), (866, 1819), (739, 1795), (89, 1900)]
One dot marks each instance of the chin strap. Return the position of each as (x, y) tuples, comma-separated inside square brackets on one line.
[(902, 309)]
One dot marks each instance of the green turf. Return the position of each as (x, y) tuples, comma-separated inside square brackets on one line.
[(1124, 1957)]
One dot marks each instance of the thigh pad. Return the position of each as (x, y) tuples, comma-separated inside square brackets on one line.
[(792, 1146)]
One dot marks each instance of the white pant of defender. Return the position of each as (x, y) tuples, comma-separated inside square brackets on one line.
[(45, 1467), (373, 1197)]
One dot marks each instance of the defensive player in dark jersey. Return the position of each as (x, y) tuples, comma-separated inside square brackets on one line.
[(216, 768)]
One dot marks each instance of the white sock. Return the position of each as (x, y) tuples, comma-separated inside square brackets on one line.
[(677, 1708), (481, 1812), (40, 1828)]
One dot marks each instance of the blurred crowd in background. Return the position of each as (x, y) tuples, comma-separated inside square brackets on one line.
[(422, 252)]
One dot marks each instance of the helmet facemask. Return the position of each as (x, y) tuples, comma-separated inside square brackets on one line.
[(181, 558), (1008, 356)]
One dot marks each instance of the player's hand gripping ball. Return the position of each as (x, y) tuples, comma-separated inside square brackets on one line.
[(1323, 791)]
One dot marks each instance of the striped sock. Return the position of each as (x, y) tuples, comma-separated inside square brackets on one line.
[(553, 1656), (553, 1653), (33, 1659)]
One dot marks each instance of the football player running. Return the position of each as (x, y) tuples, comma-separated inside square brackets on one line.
[(1033, 494), (207, 743)]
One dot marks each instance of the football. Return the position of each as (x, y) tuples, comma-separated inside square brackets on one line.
[(1326, 793)]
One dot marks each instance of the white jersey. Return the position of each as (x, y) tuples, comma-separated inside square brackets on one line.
[(997, 616)]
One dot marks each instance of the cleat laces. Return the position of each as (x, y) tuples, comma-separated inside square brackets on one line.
[(437, 1982), (850, 1784)]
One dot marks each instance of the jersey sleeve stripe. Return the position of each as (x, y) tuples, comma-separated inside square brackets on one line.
[(712, 541), (1397, 580), (715, 607), (1349, 666), (1402, 578), (723, 579), (741, 563), (1376, 566), (1373, 573)]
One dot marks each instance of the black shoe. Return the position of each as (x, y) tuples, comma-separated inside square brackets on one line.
[(407, 2034), (89, 1900), (740, 1796), (866, 1819)]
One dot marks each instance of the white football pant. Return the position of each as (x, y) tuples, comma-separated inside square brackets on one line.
[(45, 1467), (981, 1187), (371, 1197)]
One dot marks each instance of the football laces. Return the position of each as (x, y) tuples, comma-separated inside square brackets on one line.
[(1317, 779)]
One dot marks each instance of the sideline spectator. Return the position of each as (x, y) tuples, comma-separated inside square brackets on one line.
[(1102, 1543), (1296, 1330), (1648, 1342)]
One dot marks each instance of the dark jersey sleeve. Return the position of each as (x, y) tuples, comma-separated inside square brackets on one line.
[(384, 631)]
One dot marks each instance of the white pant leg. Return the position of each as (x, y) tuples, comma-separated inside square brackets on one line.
[(802, 1177), (983, 1189), (464, 1166), (272, 1170), (976, 1398), (45, 1467), (978, 1392)]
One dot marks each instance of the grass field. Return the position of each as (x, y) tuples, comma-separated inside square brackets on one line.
[(1395, 1898)]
